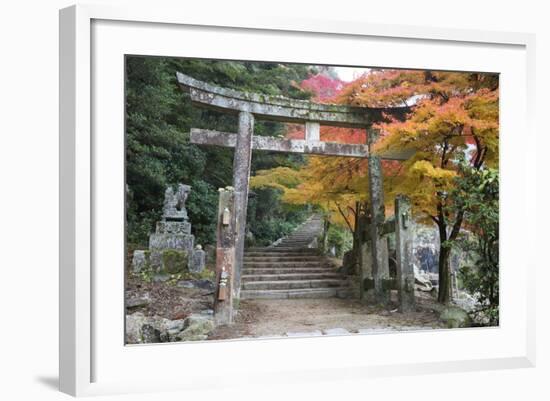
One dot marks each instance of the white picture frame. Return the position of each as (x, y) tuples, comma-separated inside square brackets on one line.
[(92, 351)]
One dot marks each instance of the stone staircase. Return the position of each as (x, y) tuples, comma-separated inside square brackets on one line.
[(291, 268)]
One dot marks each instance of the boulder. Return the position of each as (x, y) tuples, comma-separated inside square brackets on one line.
[(134, 322), (196, 328), (136, 302), (455, 317), (422, 281), (150, 334), (143, 329)]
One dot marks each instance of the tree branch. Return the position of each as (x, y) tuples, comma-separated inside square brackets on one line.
[(344, 216)]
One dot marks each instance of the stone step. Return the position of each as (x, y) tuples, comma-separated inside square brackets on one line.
[(293, 285), (302, 236), (285, 270), (280, 255), (293, 294), (250, 251), (290, 276), (296, 265), (283, 258)]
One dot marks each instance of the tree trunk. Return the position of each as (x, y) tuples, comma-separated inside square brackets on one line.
[(444, 294)]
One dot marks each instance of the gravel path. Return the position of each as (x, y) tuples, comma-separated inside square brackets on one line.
[(295, 317)]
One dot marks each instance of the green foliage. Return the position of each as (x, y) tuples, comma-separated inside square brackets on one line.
[(477, 192), (158, 118), (202, 208), (340, 238), (269, 218)]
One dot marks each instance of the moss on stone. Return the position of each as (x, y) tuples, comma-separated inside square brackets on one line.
[(455, 317), (174, 261)]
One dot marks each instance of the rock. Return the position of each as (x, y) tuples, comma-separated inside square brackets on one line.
[(196, 329), (186, 284), (422, 281), (199, 322), (205, 284), (143, 329), (149, 334), (134, 322), (455, 317), (465, 301), (173, 329), (201, 283), (161, 277), (184, 336), (165, 337), (138, 301), (208, 312), (140, 261), (198, 260), (175, 325)]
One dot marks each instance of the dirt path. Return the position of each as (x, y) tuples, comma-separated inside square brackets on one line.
[(257, 318)]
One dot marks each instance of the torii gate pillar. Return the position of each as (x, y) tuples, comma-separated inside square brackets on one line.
[(379, 244), (241, 176)]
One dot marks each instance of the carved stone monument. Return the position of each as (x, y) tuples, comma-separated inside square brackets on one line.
[(171, 245), (174, 230)]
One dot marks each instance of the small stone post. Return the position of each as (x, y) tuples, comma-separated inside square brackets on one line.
[(379, 245), (225, 257), (403, 245), (198, 260), (312, 131), (241, 175)]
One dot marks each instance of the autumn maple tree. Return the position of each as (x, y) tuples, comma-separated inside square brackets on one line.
[(454, 116)]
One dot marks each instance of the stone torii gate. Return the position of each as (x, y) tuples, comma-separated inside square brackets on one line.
[(248, 107)]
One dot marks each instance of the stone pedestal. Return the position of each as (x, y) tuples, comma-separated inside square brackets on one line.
[(172, 235), (171, 245)]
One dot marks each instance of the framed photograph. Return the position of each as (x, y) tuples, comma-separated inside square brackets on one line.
[(248, 198)]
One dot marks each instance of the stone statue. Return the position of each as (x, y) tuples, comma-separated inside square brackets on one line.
[(171, 245), (174, 203)]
